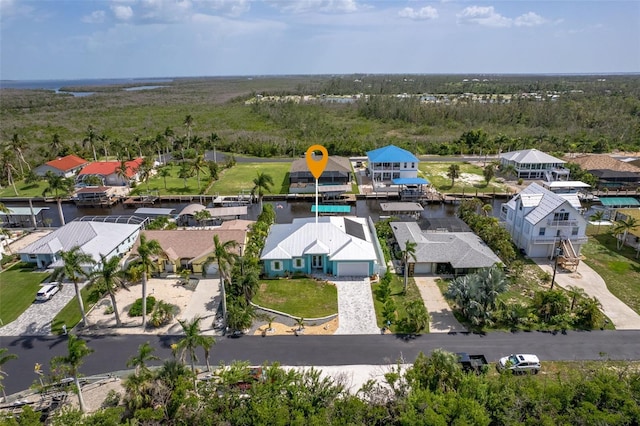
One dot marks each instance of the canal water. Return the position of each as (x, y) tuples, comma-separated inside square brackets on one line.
[(285, 210)]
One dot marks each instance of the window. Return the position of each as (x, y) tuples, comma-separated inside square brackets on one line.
[(299, 263), (574, 231), (561, 216), (542, 231), (276, 265), (413, 165)]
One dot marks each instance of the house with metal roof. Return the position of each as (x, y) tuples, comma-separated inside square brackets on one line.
[(456, 253), (390, 162), (534, 164), (336, 245), (94, 238), (541, 222), (66, 166)]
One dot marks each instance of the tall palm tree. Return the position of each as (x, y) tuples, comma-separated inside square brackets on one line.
[(73, 269), (89, 139), (18, 145), (188, 123), (453, 173), (111, 276), (408, 253), (7, 162), (105, 145), (224, 256), (212, 139), (146, 250), (622, 228), (261, 183), (199, 165), (77, 350), (60, 187), (144, 355), (164, 172), (185, 172), (144, 171), (192, 340), (56, 144), (3, 360), (598, 216), (121, 171)]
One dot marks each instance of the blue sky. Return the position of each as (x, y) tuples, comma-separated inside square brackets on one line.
[(59, 39)]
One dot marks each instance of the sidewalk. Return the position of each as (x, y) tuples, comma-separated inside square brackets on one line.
[(622, 316)]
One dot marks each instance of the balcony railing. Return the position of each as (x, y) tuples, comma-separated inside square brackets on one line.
[(561, 223), (548, 239)]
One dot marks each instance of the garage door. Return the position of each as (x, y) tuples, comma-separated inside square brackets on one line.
[(353, 269), (422, 268)]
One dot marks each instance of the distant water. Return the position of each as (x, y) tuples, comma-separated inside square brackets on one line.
[(55, 85)]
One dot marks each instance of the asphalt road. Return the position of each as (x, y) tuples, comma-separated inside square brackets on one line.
[(112, 352)]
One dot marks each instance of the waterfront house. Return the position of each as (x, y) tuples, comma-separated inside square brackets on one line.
[(534, 164), (66, 166), (438, 252), (336, 176), (389, 163), (541, 222), (610, 172), (336, 245), (93, 237), (108, 172), (191, 249)]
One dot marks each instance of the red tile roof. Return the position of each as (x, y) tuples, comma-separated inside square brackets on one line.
[(105, 168), (67, 163)]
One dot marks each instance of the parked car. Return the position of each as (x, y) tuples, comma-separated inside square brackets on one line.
[(520, 363), (47, 291)]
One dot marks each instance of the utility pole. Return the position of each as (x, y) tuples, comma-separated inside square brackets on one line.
[(557, 252)]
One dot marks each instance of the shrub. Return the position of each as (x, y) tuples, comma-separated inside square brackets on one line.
[(162, 314), (136, 308), (112, 399)]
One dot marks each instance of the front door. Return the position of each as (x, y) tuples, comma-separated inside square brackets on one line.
[(316, 262)]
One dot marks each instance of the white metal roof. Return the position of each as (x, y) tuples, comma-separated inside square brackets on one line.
[(531, 156)]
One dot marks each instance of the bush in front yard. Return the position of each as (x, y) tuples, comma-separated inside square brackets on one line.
[(136, 308)]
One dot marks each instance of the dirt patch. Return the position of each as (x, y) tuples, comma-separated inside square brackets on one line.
[(327, 328)]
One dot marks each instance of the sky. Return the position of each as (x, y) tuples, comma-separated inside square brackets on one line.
[(60, 39)]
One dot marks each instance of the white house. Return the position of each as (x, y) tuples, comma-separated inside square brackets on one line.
[(534, 164), (391, 162), (93, 238), (64, 166), (541, 221)]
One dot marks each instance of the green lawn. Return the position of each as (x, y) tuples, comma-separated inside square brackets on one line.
[(24, 189), (240, 177), (18, 287), (174, 184), (398, 297), (471, 179), (300, 297), (70, 314), (619, 268)]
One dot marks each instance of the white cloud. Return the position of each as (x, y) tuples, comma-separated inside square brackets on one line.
[(96, 17), (427, 12), (228, 7), (487, 16), (123, 13), (326, 6), (529, 19)]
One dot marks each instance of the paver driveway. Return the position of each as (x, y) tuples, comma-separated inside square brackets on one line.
[(356, 314)]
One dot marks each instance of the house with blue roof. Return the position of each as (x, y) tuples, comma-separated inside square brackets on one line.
[(390, 162), (545, 224), (338, 245)]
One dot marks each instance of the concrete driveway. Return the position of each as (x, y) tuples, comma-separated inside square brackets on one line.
[(442, 319), (622, 316), (356, 314)]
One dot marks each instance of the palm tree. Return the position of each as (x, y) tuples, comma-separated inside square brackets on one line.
[(121, 171), (61, 187), (408, 253), (144, 355), (3, 360), (212, 139), (105, 145), (509, 170), (73, 269), (622, 228), (17, 145), (144, 171), (146, 250), (199, 165), (488, 172), (164, 172), (56, 144), (575, 293), (185, 172), (598, 216), (111, 276), (192, 340), (486, 209), (188, 123), (89, 140), (8, 169), (453, 172), (224, 256), (77, 350), (261, 183), (3, 208), (202, 215)]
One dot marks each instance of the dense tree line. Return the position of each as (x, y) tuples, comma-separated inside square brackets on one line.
[(434, 390)]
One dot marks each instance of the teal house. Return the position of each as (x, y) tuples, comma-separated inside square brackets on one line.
[(338, 246)]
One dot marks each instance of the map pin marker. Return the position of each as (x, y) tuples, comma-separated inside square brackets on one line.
[(317, 166)]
